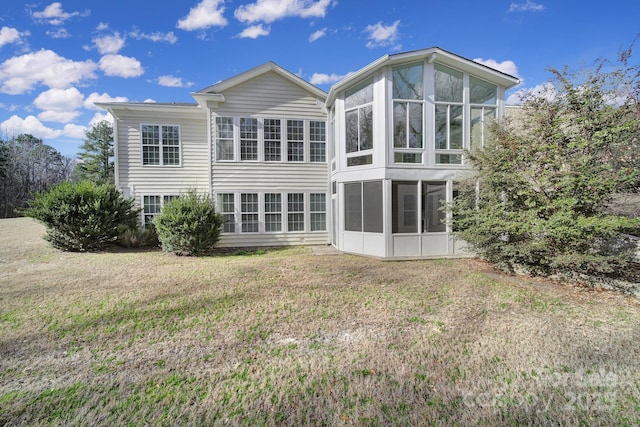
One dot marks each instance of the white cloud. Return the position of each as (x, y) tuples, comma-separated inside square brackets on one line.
[(508, 67), (528, 6), (323, 79), (59, 99), (100, 116), (269, 11), (90, 100), (317, 35), (172, 81), (21, 74), (109, 44), (383, 35), (254, 31), (545, 90), (208, 13), (59, 105), (60, 33), (74, 131), (169, 37), (54, 15), (102, 26), (121, 66), (15, 125), (149, 101), (11, 35), (58, 116)]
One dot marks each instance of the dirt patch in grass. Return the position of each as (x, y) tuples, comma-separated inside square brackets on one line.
[(286, 337)]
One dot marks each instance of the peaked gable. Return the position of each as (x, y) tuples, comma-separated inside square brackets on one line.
[(268, 67)]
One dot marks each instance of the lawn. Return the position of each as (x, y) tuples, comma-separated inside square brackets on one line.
[(286, 337)]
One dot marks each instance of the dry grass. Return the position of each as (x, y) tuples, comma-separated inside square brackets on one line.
[(289, 338)]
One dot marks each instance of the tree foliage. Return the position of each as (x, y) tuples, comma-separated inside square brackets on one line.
[(189, 225), (539, 200), (96, 154), (83, 216), (27, 165)]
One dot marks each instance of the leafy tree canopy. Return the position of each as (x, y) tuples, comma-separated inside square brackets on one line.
[(96, 154), (545, 178)]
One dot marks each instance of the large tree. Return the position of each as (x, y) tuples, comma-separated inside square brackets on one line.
[(96, 154), (545, 179), (27, 166)]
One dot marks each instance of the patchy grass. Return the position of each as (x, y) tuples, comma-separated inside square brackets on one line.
[(288, 338)]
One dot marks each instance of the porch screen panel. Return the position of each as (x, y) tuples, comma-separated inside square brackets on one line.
[(353, 206), (372, 206)]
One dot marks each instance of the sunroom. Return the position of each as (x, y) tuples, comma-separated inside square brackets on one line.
[(398, 132)]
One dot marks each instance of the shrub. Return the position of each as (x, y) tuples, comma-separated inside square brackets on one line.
[(82, 216), (189, 225)]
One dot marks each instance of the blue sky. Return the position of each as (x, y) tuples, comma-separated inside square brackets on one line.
[(58, 58)]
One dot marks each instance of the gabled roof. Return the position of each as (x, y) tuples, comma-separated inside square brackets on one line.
[(431, 54), (216, 92)]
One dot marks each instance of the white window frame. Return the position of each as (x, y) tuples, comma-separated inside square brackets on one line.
[(271, 140), (405, 149), (313, 213), (243, 139), (243, 213), (162, 199), (296, 212), (320, 143), (449, 104), (297, 142), (162, 145), (269, 213), (218, 138), (220, 205), (359, 152)]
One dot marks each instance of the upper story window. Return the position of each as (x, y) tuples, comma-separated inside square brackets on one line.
[(272, 140), (269, 139), (483, 96), (295, 140), (359, 124), (224, 138), (248, 139), (408, 111), (317, 142), (449, 115), (160, 145)]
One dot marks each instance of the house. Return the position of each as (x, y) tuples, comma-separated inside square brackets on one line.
[(365, 167)]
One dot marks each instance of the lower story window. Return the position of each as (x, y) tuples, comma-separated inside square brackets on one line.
[(272, 212), (249, 208), (226, 206), (318, 212), (152, 206), (295, 212)]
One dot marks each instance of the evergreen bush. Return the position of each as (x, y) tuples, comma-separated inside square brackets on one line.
[(82, 216), (189, 225)]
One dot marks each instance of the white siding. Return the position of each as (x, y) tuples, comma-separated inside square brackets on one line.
[(272, 178), (273, 96), (136, 179), (267, 177)]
